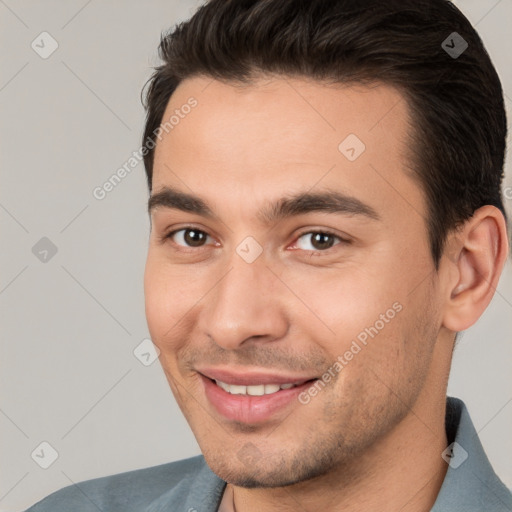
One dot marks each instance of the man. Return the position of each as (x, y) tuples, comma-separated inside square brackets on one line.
[(326, 216)]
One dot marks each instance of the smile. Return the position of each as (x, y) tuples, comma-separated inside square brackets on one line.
[(255, 390), (252, 402)]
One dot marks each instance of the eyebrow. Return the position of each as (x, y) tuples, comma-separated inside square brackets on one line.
[(289, 206)]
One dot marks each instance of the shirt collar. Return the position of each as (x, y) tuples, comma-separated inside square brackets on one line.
[(470, 483)]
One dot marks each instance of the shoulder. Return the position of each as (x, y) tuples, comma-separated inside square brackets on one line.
[(123, 492)]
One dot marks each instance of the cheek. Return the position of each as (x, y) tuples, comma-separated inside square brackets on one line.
[(162, 304), (156, 304), (173, 296), (360, 320), (341, 301)]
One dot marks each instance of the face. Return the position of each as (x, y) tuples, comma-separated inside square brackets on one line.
[(301, 257)]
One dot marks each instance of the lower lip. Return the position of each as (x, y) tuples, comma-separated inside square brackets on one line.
[(247, 408)]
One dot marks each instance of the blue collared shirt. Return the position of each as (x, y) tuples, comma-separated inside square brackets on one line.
[(470, 484)]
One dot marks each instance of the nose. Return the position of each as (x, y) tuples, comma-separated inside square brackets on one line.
[(246, 305)]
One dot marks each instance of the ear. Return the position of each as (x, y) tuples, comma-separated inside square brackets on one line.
[(478, 253)]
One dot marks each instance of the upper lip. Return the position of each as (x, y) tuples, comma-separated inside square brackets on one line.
[(250, 377)]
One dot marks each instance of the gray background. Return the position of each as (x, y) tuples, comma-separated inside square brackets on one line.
[(70, 325)]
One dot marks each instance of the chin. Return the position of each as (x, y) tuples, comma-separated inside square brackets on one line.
[(277, 472)]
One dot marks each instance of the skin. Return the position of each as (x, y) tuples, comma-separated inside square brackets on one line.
[(372, 438)]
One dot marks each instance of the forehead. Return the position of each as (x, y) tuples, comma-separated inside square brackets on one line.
[(280, 134), (296, 109)]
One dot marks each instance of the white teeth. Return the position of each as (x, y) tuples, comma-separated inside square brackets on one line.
[(224, 386), (257, 390), (272, 388), (237, 390)]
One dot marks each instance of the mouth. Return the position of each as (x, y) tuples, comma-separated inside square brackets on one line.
[(253, 402), (257, 389)]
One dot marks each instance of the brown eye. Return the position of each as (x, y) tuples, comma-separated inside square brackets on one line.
[(188, 237), (318, 241)]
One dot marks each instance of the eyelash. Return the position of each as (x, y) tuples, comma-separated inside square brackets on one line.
[(317, 252)]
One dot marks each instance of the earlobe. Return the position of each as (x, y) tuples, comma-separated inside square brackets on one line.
[(479, 265)]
